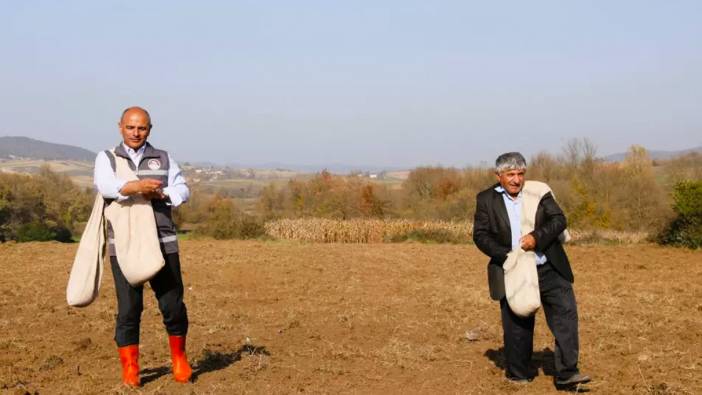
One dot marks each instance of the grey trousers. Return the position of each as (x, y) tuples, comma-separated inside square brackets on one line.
[(168, 287), (558, 302)]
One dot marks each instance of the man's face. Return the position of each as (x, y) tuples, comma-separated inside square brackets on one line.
[(512, 180), (135, 127)]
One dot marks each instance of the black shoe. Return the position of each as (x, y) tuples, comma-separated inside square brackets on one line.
[(573, 380)]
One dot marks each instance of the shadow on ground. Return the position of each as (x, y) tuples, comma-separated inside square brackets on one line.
[(151, 374), (210, 361), (213, 360)]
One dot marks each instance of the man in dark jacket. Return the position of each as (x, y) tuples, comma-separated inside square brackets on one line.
[(496, 232)]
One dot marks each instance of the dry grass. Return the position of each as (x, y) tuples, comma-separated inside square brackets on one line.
[(608, 236), (320, 230)]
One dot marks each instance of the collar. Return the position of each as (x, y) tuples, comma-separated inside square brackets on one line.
[(146, 150), (502, 191), (130, 151)]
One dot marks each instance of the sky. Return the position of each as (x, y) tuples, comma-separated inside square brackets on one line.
[(375, 83)]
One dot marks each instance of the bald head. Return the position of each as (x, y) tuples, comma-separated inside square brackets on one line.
[(135, 127), (135, 109)]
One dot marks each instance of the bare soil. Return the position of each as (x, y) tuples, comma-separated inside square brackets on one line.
[(282, 317)]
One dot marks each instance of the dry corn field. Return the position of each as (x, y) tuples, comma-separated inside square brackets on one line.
[(288, 317), (320, 230)]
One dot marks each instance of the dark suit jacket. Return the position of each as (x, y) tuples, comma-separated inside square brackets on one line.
[(492, 234)]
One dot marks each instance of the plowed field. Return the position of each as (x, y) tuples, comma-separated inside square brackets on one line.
[(280, 317)]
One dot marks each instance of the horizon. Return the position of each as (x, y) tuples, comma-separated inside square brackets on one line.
[(347, 167), (397, 84)]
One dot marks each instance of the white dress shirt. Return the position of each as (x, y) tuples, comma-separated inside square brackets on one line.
[(110, 186)]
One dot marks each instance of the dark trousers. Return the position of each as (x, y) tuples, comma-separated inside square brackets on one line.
[(168, 287), (558, 302)]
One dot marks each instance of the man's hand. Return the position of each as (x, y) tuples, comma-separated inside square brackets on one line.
[(146, 187), (528, 242)]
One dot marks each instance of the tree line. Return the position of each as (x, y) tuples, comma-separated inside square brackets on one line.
[(44, 206), (661, 198)]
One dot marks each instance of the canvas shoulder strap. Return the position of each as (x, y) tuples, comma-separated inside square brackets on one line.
[(532, 193), (122, 169)]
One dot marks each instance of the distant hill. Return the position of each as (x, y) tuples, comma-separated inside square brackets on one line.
[(26, 148), (655, 155), (337, 168)]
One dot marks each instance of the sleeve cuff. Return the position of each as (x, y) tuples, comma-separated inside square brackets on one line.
[(173, 196), (120, 185)]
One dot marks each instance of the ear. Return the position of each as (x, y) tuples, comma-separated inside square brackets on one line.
[(497, 176)]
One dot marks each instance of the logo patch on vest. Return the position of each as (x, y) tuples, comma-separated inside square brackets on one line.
[(154, 164)]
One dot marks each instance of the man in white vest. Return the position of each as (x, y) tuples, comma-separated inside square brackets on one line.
[(160, 181), (497, 233)]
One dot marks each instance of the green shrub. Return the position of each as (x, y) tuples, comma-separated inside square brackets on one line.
[(223, 220), (35, 231), (45, 206), (251, 228), (686, 229)]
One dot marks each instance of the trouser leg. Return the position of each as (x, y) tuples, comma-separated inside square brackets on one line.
[(168, 287), (558, 301), (518, 338), (129, 307)]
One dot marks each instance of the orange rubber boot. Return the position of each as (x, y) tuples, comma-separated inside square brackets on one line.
[(129, 357), (181, 368)]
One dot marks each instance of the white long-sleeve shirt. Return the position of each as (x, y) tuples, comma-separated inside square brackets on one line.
[(110, 186)]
